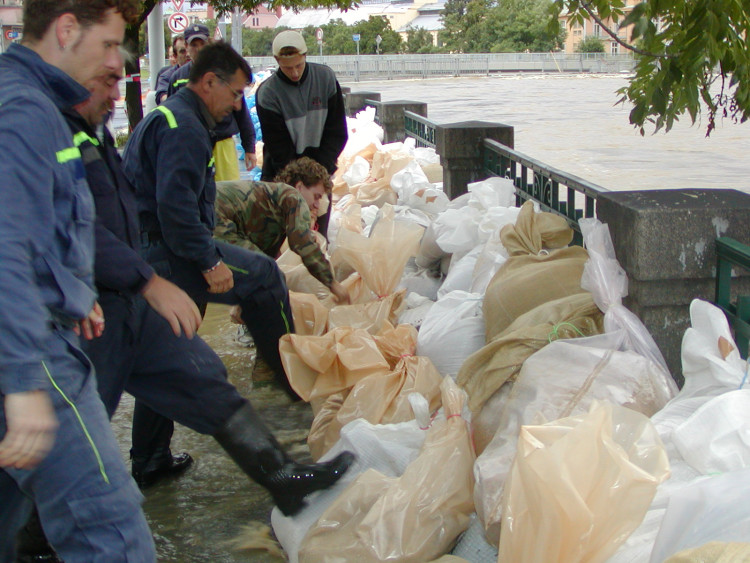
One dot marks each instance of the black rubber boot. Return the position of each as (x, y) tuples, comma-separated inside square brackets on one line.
[(252, 446), (32, 545), (161, 465)]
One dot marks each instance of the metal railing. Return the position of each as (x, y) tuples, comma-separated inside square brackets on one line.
[(555, 191), (730, 253), (420, 128)]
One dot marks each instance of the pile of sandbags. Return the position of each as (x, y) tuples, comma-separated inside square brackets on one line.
[(475, 329)]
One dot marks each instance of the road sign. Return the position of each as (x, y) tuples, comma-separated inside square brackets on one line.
[(177, 22), (178, 5), (13, 34), (356, 37), (217, 33), (319, 34)]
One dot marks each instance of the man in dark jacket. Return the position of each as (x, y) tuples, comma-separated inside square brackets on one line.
[(57, 449), (169, 161), (238, 121), (149, 347)]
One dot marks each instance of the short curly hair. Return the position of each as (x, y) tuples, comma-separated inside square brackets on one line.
[(307, 171), (38, 15)]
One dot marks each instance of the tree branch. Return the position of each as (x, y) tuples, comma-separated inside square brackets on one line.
[(591, 12)]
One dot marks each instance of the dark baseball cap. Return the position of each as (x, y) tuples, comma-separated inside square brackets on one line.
[(196, 31)]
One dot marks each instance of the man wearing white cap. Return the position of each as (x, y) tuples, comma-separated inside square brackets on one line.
[(300, 108)]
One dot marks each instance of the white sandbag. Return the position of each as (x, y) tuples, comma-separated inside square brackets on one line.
[(415, 311), (494, 219), (492, 192), (357, 172), (416, 191), (456, 229), (363, 131), (472, 545), (430, 254), (452, 330), (489, 261), (420, 280), (713, 509), (387, 448), (461, 274), (716, 437)]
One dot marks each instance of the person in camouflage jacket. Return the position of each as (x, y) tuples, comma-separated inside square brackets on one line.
[(259, 216)]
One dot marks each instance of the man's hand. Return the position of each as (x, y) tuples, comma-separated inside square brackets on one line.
[(235, 314), (251, 161), (93, 325), (340, 293), (219, 279), (31, 424), (173, 304)]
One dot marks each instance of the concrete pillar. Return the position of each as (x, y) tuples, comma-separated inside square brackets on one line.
[(460, 148), (156, 55), (391, 118), (665, 241), (355, 101)]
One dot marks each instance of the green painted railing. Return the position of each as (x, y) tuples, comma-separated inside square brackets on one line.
[(730, 254), (420, 128), (555, 191)]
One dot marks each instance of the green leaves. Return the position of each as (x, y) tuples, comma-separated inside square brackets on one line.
[(691, 58)]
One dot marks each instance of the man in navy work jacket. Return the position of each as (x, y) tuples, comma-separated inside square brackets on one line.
[(56, 445), (238, 121), (168, 160), (149, 347)]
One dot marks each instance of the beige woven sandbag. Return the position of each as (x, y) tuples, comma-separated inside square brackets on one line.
[(525, 282), (540, 268), (371, 316), (318, 366), (714, 552), (485, 371), (533, 232), (416, 517), (310, 316), (379, 399), (380, 258)]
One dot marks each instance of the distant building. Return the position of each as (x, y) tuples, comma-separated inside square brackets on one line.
[(428, 17), (578, 33), (399, 13), (262, 18)]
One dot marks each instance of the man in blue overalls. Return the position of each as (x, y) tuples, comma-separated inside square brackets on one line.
[(169, 161), (177, 377), (56, 445)]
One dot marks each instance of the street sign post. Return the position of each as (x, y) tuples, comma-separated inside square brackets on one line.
[(319, 37), (177, 4), (177, 22), (378, 39)]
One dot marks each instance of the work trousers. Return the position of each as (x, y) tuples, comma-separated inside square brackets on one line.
[(259, 288), (180, 378), (87, 502)]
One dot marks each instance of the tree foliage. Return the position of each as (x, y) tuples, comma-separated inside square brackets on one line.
[(688, 53), (590, 44), (419, 40)]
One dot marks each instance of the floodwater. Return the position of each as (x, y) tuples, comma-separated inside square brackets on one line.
[(570, 122), (573, 123)]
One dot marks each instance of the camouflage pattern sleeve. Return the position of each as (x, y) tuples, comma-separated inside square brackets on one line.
[(301, 238), (232, 213)]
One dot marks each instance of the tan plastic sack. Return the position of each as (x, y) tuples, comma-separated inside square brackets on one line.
[(397, 342), (485, 371), (298, 278), (379, 399), (381, 257), (318, 366), (371, 316), (579, 486), (413, 518), (537, 271), (310, 316)]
